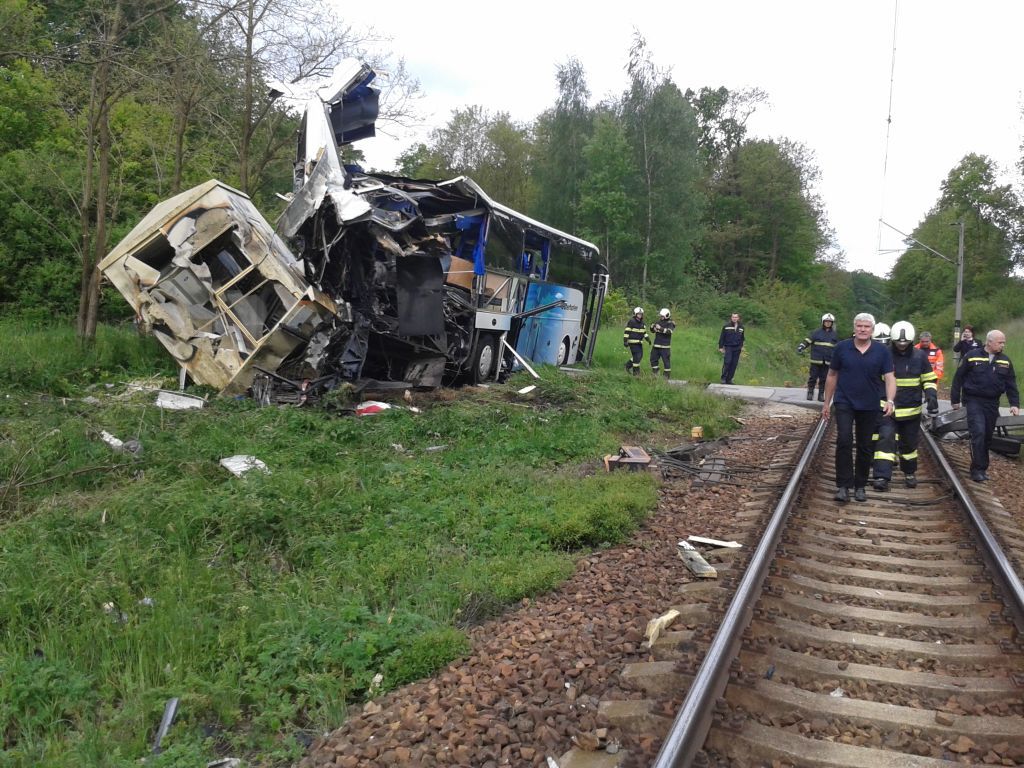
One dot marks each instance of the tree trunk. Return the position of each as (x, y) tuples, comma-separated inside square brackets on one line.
[(650, 213)]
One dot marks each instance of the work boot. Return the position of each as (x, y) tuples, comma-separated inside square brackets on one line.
[(821, 395), (910, 481), (810, 393), (859, 494), (881, 484), (978, 476), (842, 494)]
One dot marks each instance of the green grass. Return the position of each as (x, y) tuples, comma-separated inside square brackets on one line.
[(268, 603)]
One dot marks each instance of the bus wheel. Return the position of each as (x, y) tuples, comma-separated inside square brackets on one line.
[(483, 358), (563, 351)]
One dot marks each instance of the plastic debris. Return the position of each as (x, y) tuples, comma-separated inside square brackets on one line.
[(176, 401), (238, 465), (132, 446), (838, 693), (368, 407), (526, 390)]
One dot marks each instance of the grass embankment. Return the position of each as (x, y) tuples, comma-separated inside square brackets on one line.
[(267, 603)]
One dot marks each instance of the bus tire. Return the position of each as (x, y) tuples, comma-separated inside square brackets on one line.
[(484, 358), (563, 351)]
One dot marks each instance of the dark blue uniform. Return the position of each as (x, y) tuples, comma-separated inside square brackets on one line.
[(633, 339), (981, 380), (822, 343), (899, 433), (661, 349), (730, 341), (860, 392)]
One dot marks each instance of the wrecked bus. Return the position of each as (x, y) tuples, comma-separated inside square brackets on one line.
[(364, 277)]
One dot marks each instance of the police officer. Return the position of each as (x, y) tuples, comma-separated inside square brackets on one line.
[(633, 339), (730, 344), (821, 342), (899, 432), (661, 349), (982, 377)]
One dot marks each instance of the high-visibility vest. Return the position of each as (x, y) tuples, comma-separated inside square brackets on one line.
[(934, 357)]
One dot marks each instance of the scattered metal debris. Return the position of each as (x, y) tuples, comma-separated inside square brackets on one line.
[(170, 710), (363, 276)]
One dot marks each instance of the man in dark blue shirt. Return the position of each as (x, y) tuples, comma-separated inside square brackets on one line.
[(855, 380), (730, 344), (982, 378)]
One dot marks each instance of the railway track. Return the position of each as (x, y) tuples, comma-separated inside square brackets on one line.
[(872, 634)]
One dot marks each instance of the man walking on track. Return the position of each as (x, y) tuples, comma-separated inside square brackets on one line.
[(860, 379), (982, 378)]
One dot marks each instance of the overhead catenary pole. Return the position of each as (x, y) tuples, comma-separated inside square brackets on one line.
[(908, 239), (957, 326)]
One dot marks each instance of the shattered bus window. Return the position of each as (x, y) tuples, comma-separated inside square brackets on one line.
[(365, 276)]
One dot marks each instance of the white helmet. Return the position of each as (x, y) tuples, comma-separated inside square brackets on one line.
[(665, 314), (903, 331), (828, 317), (882, 332), (638, 310)]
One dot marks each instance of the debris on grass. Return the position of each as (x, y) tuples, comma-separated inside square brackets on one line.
[(239, 464)]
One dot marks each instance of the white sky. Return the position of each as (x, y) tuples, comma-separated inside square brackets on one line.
[(958, 81)]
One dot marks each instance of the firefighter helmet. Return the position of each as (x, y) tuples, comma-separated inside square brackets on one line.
[(665, 314), (638, 310), (881, 332), (828, 317), (903, 331)]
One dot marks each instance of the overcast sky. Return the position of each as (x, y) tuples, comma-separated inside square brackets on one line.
[(958, 82)]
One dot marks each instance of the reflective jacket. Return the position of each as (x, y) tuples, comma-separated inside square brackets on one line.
[(731, 336), (914, 378), (934, 357), (662, 331), (977, 377), (822, 342), (635, 333)]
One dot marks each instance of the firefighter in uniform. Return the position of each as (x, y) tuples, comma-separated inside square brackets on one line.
[(898, 433), (821, 342), (661, 349), (934, 354), (982, 377), (633, 339), (730, 344)]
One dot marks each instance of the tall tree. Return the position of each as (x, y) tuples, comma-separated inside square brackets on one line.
[(101, 45), (992, 216), (722, 117), (606, 208), (562, 134), (662, 131), (764, 220)]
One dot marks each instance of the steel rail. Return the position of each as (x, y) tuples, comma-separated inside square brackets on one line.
[(990, 547), (692, 723)]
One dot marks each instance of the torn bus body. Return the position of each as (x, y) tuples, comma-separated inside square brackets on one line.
[(365, 276)]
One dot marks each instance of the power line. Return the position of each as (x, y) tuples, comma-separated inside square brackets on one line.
[(888, 121)]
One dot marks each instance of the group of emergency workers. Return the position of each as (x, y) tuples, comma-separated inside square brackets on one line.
[(636, 334), (910, 374)]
